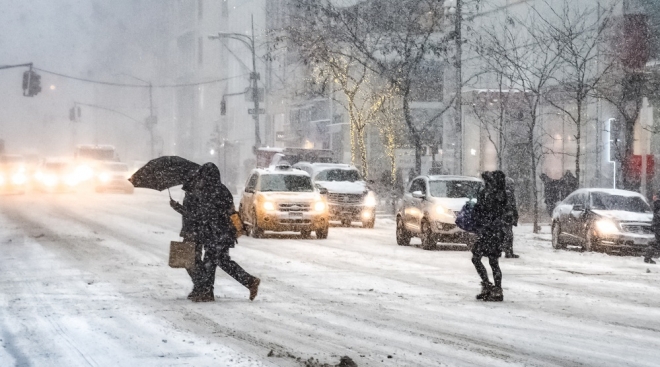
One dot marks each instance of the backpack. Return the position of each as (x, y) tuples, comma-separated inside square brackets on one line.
[(465, 219)]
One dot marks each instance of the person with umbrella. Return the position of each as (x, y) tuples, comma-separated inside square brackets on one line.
[(214, 230), (207, 219)]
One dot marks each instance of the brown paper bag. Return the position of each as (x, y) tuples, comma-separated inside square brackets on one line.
[(182, 254)]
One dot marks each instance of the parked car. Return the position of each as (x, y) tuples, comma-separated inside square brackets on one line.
[(429, 206), (14, 177), (283, 198), (603, 219), (349, 198), (113, 176)]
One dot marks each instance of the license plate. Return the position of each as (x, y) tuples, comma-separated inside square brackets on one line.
[(296, 215)]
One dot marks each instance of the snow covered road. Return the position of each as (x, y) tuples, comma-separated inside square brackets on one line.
[(84, 281)]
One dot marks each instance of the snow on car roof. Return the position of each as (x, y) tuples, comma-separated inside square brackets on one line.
[(280, 171), (618, 192), (452, 178)]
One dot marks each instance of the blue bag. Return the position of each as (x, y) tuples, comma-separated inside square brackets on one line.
[(465, 219)]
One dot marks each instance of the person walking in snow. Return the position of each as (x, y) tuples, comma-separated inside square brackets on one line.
[(188, 232), (510, 218), (654, 247), (489, 217), (217, 234)]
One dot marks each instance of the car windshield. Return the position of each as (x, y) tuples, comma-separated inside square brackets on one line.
[(336, 174), (603, 201), (293, 183), (454, 189)]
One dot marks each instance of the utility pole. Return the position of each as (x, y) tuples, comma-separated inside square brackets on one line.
[(458, 123), (254, 76)]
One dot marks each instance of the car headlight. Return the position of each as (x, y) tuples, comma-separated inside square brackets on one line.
[(104, 177), (2, 180), (319, 206), (84, 173), (19, 178), (370, 199), (71, 180), (606, 226), (269, 206), (50, 180), (439, 209)]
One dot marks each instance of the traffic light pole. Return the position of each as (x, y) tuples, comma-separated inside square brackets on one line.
[(16, 66)]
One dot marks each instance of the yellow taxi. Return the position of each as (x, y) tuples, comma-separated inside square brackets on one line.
[(282, 198)]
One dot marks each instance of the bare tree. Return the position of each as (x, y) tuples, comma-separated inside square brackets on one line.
[(576, 33), (529, 67)]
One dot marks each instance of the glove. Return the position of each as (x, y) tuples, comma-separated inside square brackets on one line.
[(173, 203)]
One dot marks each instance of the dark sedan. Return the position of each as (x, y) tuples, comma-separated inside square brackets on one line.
[(603, 219)]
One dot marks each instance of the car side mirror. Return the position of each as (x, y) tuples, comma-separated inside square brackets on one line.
[(323, 191), (578, 207), (418, 195)]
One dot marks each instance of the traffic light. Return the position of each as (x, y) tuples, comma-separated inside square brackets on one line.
[(223, 107), (31, 83)]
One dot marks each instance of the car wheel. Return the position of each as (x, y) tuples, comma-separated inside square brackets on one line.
[(369, 223), (428, 240), (402, 234), (254, 229), (306, 233), (557, 244), (322, 233), (590, 243)]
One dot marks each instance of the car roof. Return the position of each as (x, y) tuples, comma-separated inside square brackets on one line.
[(618, 192), (320, 166), (449, 178), (279, 171)]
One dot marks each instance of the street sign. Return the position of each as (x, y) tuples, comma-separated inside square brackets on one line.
[(261, 111), (405, 158)]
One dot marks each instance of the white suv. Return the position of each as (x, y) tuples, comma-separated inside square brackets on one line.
[(429, 206)]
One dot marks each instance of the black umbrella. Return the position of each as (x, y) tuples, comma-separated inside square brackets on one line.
[(164, 172)]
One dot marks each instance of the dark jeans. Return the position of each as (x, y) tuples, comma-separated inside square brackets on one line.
[(218, 256), (507, 244), (481, 269)]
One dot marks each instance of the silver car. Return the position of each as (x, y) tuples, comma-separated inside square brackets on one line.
[(429, 206), (603, 219)]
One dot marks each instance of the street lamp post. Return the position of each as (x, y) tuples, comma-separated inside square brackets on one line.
[(254, 76), (151, 120)]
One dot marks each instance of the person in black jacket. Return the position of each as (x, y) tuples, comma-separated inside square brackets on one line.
[(214, 230), (188, 232), (654, 247), (510, 218), (489, 216)]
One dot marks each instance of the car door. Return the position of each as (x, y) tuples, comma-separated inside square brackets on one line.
[(415, 212), (247, 201), (575, 217)]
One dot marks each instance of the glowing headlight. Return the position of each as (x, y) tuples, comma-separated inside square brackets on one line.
[(50, 180), (269, 206), (439, 209), (84, 173), (19, 178), (606, 226), (370, 199), (71, 180), (319, 206), (2, 180), (104, 177)]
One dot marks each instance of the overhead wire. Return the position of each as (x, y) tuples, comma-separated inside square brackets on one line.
[(130, 85)]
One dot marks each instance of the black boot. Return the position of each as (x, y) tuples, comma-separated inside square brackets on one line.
[(485, 290), (496, 295), (193, 294), (648, 260), (511, 255)]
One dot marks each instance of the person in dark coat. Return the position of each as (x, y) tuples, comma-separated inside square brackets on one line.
[(211, 216), (654, 247), (510, 218), (188, 231), (489, 216)]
